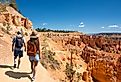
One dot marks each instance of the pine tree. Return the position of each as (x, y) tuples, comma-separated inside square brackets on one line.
[(13, 4), (4, 1)]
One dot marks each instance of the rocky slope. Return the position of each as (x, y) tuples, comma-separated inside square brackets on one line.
[(10, 22)]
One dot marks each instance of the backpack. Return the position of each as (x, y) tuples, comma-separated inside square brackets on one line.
[(31, 48), (19, 42)]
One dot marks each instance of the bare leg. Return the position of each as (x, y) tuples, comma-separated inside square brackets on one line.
[(32, 66), (19, 60), (15, 57), (34, 70)]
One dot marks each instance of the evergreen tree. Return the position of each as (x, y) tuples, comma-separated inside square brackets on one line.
[(4, 1), (13, 4)]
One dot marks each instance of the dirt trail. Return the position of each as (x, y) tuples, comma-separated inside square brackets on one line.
[(23, 74)]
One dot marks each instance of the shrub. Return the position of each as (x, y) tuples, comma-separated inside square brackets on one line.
[(43, 64), (48, 57), (13, 5), (26, 33), (69, 71)]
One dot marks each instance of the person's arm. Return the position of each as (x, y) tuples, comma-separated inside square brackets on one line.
[(12, 47), (40, 55), (13, 43), (24, 45)]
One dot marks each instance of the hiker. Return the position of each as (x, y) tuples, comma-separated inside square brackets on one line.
[(17, 47), (33, 51)]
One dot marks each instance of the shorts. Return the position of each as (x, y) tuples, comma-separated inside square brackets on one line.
[(34, 58), (18, 53)]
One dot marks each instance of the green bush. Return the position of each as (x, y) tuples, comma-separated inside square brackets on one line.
[(69, 71), (48, 57), (26, 34), (4, 23), (2, 8)]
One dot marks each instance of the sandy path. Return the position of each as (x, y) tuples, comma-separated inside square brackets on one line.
[(23, 74)]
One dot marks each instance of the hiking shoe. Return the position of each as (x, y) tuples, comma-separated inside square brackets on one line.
[(33, 78), (14, 65), (17, 67), (12, 68)]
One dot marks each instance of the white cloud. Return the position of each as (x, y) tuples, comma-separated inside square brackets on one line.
[(44, 24), (110, 31), (113, 26), (81, 25), (102, 27)]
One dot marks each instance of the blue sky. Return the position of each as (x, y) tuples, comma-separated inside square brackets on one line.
[(88, 16)]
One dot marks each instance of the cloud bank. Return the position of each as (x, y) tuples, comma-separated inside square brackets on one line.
[(113, 26)]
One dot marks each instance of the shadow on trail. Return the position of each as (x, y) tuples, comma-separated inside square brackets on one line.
[(17, 75), (6, 66)]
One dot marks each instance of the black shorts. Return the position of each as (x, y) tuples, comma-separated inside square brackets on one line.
[(18, 53)]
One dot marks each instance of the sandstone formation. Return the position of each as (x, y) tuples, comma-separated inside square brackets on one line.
[(11, 20), (101, 54), (15, 20)]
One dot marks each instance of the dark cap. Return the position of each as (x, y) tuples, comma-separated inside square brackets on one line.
[(33, 33), (18, 32)]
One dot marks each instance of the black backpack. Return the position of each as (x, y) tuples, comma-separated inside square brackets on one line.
[(19, 42)]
